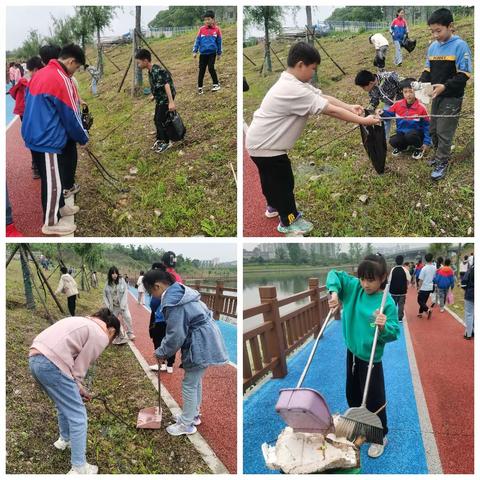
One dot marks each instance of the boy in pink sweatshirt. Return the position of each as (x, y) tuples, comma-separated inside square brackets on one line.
[(59, 359)]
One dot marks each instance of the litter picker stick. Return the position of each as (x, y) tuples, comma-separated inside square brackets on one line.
[(324, 51), (250, 60), (233, 171), (312, 353)]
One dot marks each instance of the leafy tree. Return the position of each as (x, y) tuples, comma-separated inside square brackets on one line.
[(295, 253), (90, 253), (180, 16), (270, 17), (31, 45), (61, 30), (355, 251), (368, 249), (358, 14), (82, 27), (280, 253)]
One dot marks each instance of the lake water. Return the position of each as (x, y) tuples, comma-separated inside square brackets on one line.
[(287, 283)]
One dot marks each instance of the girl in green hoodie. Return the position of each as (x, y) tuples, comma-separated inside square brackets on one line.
[(361, 299)]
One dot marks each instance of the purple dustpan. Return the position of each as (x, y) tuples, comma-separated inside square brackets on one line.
[(304, 410)]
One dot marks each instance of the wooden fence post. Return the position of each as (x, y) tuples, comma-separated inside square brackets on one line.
[(217, 304), (277, 341), (313, 285)]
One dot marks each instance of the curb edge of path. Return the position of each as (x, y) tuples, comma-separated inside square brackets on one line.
[(434, 463), (199, 443)]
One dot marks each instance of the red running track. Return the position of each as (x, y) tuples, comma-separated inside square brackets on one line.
[(23, 190), (255, 223), (445, 364), (219, 407)]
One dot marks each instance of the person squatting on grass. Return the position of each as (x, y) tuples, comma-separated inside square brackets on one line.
[(444, 281), (115, 298), (163, 92), (17, 92), (425, 285), (410, 132), (68, 286), (59, 359), (191, 329), (277, 125), (448, 68), (361, 299), (380, 44), (51, 128), (381, 87), (209, 44)]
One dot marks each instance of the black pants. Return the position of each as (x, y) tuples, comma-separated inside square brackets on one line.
[(161, 112), (422, 299), (68, 168), (158, 334), (72, 301), (51, 185), (404, 140), (356, 377), (204, 62), (276, 178)]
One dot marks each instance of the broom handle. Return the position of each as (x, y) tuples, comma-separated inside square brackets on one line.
[(159, 391), (312, 353), (374, 346)]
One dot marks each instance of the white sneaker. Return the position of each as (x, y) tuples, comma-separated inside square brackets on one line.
[(86, 469), (169, 369), (376, 449), (154, 368), (196, 420), (60, 228), (216, 87), (131, 336), (62, 444), (163, 367), (180, 429), (68, 210), (442, 310)]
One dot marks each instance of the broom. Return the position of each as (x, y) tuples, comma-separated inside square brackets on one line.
[(359, 421)]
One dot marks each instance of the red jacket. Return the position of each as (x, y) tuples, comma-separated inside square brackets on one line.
[(17, 92)]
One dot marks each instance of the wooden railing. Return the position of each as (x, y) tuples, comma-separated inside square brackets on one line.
[(265, 348), (216, 300)]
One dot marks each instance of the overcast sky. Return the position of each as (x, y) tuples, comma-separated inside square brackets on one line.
[(226, 252), (20, 20)]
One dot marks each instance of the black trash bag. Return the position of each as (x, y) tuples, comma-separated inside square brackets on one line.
[(246, 86), (174, 126), (373, 139), (408, 44), (87, 118)]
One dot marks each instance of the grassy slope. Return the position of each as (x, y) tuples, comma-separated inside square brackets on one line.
[(187, 191), (30, 416), (403, 201)]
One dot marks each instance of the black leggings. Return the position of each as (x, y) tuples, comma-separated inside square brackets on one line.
[(204, 62), (72, 301), (276, 177), (161, 114), (68, 169), (158, 334), (356, 377)]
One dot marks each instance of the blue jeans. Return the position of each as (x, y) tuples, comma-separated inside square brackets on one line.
[(191, 394), (387, 123), (398, 52), (442, 296), (72, 415), (469, 320), (9, 216)]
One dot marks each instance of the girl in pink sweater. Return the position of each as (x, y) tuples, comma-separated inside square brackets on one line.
[(59, 359)]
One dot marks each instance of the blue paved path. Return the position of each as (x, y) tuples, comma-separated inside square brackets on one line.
[(228, 330), (9, 106), (405, 452)]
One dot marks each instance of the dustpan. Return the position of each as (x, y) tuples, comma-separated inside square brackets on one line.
[(151, 417), (305, 409)]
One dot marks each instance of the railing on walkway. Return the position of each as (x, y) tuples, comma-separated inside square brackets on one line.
[(217, 299), (265, 348)]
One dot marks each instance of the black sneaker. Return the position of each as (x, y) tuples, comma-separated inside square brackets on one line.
[(156, 144), (417, 154), (162, 147), (396, 152)]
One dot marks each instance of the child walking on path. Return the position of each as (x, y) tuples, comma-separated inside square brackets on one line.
[(425, 285), (115, 298), (59, 359), (163, 92), (468, 284), (411, 132), (361, 299), (209, 44), (68, 286), (277, 125), (444, 281), (191, 329), (448, 68), (399, 285)]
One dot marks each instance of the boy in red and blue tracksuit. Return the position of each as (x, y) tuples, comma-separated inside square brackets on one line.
[(411, 132), (444, 281), (51, 128), (448, 68), (209, 44)]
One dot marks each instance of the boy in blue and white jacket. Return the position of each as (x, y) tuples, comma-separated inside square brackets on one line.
[(209, 44), (51, 128)]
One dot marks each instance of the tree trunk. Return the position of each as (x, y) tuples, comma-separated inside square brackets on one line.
[(27, 281), (311, 39), (268, 59), (99, 53), (137, 72)]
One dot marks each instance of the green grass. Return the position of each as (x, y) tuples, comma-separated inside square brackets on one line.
[(30, 415), (175, 193), (401, 202)]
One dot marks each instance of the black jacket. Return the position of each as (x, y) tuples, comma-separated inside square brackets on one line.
[(468, 284), (398, 283)]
